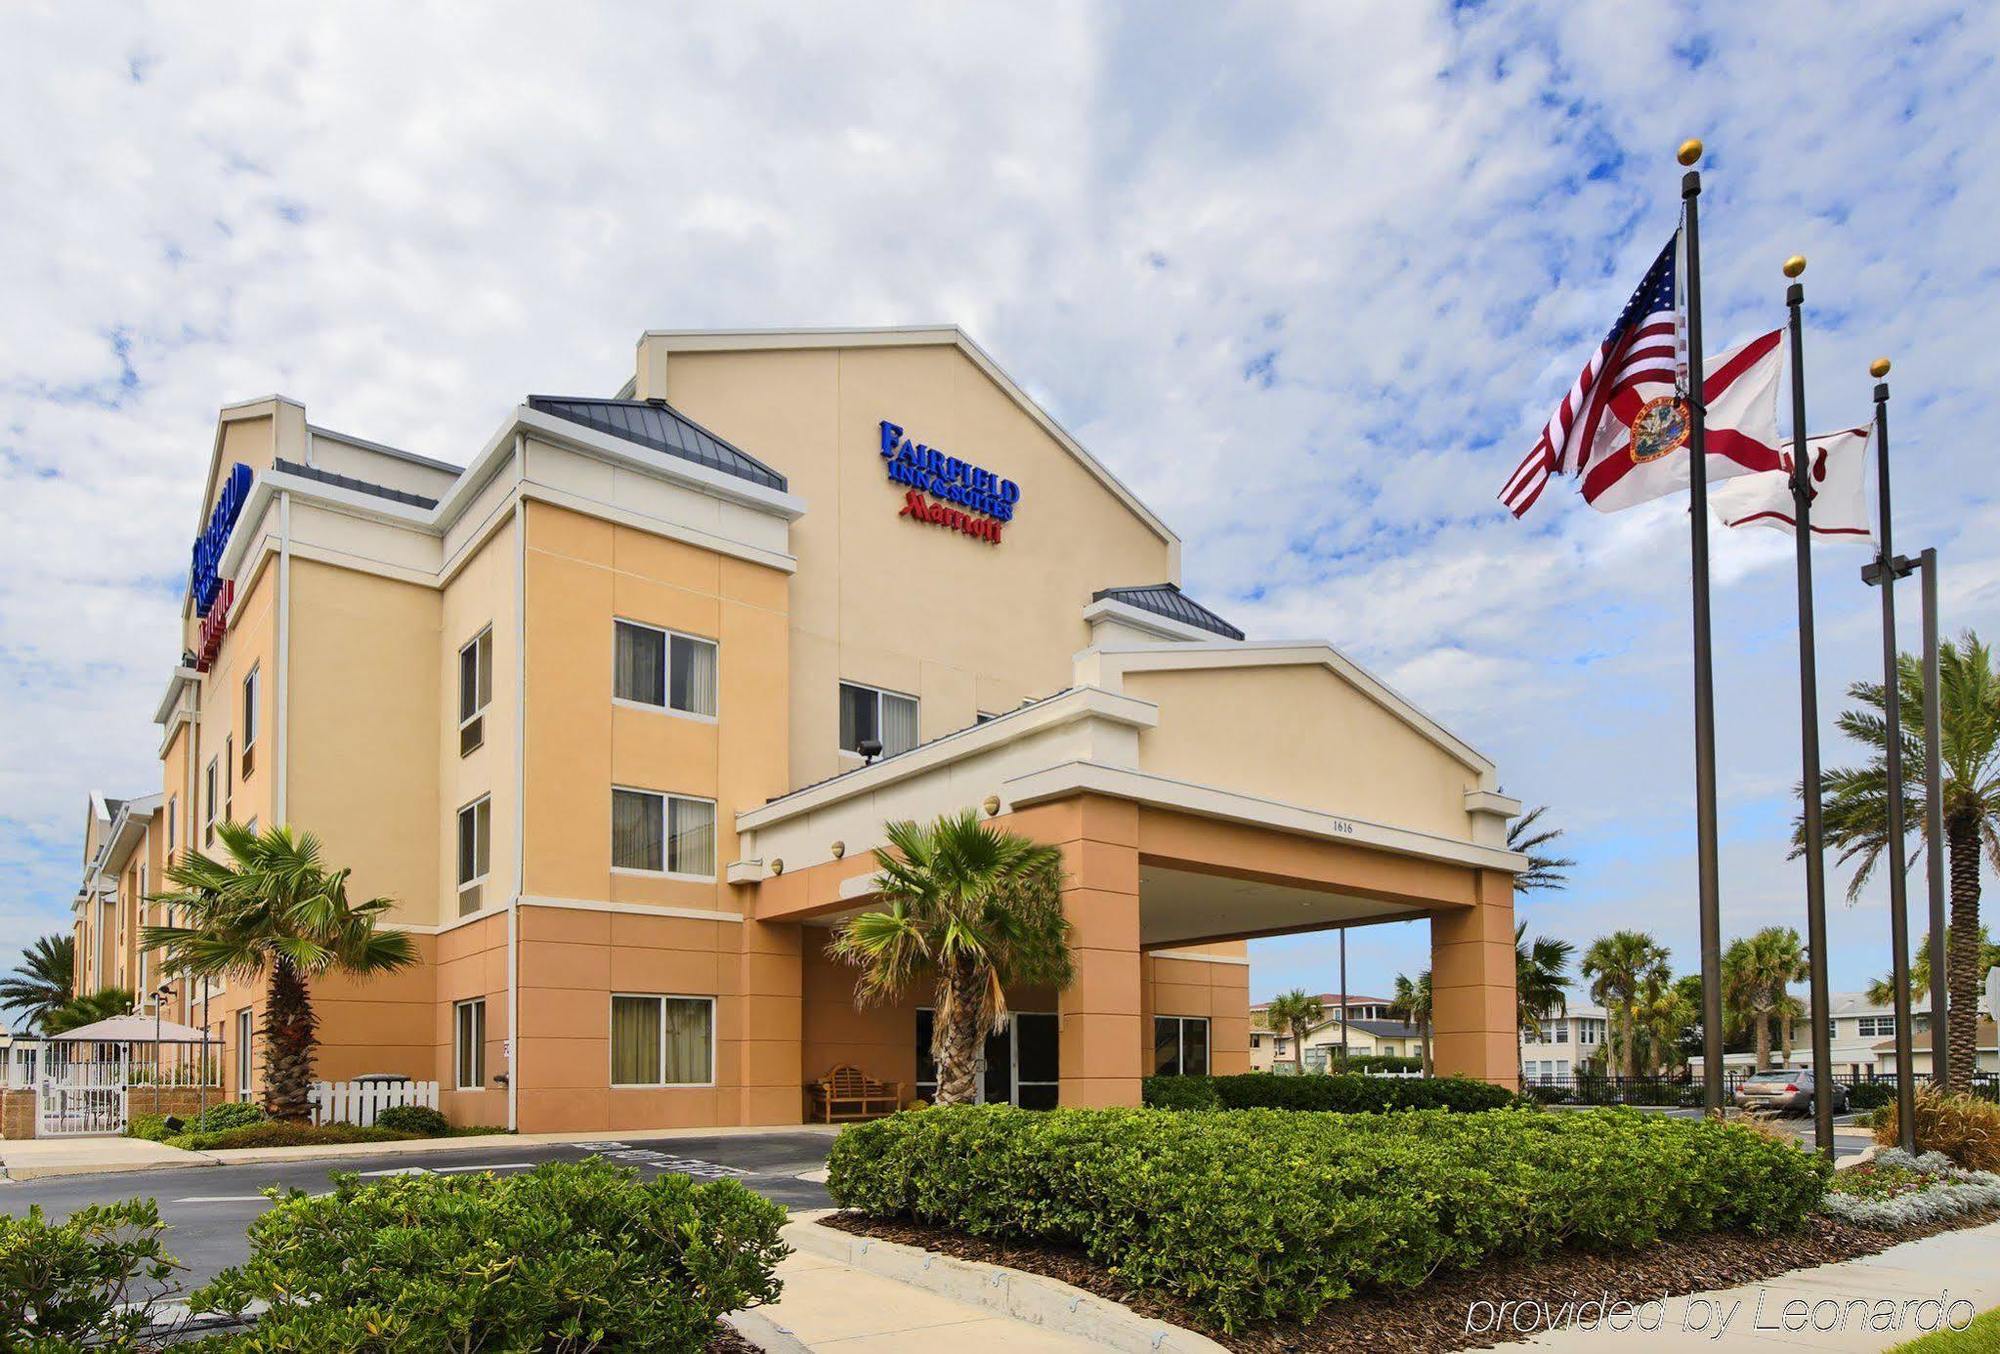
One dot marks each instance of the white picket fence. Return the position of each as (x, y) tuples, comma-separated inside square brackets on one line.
[(358, 1102)]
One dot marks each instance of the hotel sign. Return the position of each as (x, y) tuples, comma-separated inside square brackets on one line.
[(209, 592), (946, 490)]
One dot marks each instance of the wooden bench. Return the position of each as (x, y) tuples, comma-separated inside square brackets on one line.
[(849, 1093)]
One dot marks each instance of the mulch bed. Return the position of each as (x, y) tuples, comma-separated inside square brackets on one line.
[(727, 1341), (1433, 1317)]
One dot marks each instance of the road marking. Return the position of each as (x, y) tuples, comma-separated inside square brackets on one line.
[(497, 1166), (223, 1199), (400, 1170)]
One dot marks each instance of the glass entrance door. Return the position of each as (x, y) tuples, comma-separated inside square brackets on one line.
[(1020, 1065)]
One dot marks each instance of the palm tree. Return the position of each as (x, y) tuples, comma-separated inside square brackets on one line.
[(1544, 871), (1666, 1009), (973, 908), (77, 1012), (1857, 804), (1757, 973), (43, 980), (273, 910), (1411, 1002), (1296, 1013), (1882, 992), (1625, 968), (1541, 978)]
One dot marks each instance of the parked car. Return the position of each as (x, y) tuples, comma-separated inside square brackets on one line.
[(1786, 1090)]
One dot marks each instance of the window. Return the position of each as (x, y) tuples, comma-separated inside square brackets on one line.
[(662, 668), (173, 817), (250, 722), (868, 714), (1180, 1046), (475, 690), (1878, 1027), (208, 795), (475, 850), (243, 1058), (1559, 1034), (229, 780), (662, 834), (1586, 1031), (662, 1041), (470, 1044)]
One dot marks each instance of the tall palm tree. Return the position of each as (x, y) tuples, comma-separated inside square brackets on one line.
[(1882, 992), (1757, 973), (974, 909), (1624, 968), (43, 980), (1295, 1012), (1541, 978), (1857, 803), (1411, 1002), (1544, 871), (272, 909)]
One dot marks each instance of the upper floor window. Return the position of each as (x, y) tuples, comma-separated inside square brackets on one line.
[(475, 852), (475, 690), (663, 668), (208, 796), (173, 817), (1878, 1027), (229, 779), (868, 714), (662, 834), (250, 722)]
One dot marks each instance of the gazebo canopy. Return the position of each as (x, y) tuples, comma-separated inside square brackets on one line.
[(131, 1029)]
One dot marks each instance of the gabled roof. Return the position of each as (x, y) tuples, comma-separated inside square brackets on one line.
[(1166, 599), (656, 424)]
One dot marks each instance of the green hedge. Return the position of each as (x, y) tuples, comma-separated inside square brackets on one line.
[(82, 1283), (421, 1120), (570, 1256), (1263, 1215), (275, 1134), (1870, 1095), (1340, 1094)]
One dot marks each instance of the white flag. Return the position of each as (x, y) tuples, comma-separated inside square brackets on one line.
[(1836, 470)]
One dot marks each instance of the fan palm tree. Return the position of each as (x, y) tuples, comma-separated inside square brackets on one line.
[(1295, 1012), (1625, 968), (972, 908), (88, 1009), (1544, 871), (43, 980), (1541, 978), (273, 910), (1882, 992), (1411, 1001), (1857, 804), (1757, 973)]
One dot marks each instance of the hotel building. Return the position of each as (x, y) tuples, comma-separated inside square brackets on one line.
[(617, 710)]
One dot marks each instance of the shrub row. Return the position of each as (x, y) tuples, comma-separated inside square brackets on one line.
[(1340, 1094), (1265, 1215), (273, 1133)]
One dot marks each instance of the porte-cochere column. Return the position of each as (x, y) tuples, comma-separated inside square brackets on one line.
[(1475, 1027), (1103, 1044)]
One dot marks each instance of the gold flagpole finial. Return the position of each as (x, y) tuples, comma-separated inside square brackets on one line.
[(1690, 151), (1795, 265), (1879, 368)]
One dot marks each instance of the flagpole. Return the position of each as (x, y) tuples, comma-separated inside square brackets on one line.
[(1934, 824), (1704, 676), (1816, 958), (1892, 710)]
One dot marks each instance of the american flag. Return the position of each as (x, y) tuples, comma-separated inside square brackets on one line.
[(1641, 349)]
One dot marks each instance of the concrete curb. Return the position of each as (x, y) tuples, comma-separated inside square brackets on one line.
[(1029, 1298), (766, 1334), (10, 1174)]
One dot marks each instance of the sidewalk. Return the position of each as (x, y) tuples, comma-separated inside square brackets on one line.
[(1839, 1299), (42, 1158)]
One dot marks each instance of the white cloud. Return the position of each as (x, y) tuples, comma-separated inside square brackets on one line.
[(1305, 278)]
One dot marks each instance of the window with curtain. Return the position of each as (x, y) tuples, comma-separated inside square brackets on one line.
[(662, 833), (659, 667), (475, 690), (662, 1041), (471, 1044), (868, 713)]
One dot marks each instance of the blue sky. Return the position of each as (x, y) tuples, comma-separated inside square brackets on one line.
[(1306, 277)]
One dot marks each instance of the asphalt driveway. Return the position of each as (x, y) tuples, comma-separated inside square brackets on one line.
[(208, 1207)]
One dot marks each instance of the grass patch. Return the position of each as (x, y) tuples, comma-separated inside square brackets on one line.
[(1981, 1337)]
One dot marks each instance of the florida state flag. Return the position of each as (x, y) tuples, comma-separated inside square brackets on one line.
[(1836, 467)]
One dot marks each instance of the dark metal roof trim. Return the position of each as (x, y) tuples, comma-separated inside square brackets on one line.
[(1166, 599), (340, 481), (658, 425)]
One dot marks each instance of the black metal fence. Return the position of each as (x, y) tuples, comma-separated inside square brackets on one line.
[(1865, 1090)]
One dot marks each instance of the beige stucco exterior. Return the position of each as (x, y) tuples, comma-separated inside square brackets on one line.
[(1084, 720)]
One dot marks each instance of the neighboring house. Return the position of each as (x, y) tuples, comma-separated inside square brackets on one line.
[(1371, 1038), (1988, 1059), (1268, 1049), (1566, 1043)]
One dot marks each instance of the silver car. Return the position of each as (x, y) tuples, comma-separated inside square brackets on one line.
[(1785, 1090)]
